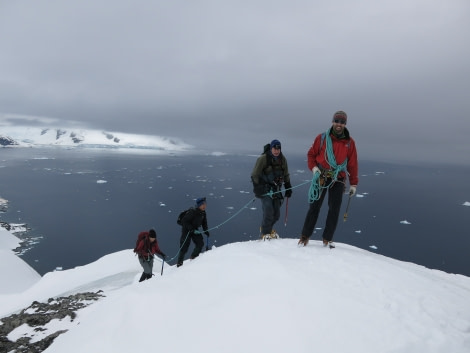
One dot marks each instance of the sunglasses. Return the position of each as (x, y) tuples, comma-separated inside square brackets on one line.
[(340, 121)]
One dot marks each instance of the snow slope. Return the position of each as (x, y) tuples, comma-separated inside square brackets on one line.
[(257, 296)]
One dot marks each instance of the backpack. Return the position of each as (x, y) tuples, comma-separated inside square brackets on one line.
[(141, 236), (181, 216)]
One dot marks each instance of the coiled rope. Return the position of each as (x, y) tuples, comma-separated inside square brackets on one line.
[(316, 188)]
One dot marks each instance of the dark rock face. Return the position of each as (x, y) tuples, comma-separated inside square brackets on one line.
[(7, 141), (37, 316)]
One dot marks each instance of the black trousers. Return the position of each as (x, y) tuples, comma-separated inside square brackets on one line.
[(335, 198), (185, 241)]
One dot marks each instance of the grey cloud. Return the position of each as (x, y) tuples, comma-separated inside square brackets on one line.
[(220, 73)]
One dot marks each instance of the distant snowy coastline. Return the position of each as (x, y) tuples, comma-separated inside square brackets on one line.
[(27, 136)]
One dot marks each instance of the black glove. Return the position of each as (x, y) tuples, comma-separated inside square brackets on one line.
[(288, 188), (163, 255), (259, 189), (206, 233)]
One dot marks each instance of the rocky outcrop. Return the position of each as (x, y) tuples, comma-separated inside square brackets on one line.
[(37, 316), (7, 141)]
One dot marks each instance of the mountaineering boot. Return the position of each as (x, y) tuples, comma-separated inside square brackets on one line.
[(143, 277), (274, 234), (328, 243), (303, 240), (179, 264)]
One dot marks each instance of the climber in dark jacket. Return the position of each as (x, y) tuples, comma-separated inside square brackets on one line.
[(269, 174), (193, 219)]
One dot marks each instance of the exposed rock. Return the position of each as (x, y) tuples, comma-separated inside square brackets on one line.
[(75, 138), (7, 141), (37, 316), (59, 133)]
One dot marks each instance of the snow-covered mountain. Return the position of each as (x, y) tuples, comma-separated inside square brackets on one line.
[(27, 136), (254, 296)]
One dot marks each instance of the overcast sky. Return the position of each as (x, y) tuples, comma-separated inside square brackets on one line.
[(232, 75)]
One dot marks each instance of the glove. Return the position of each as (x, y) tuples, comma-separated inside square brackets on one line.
[(315, 170), (206, 233), (288, 188), (195, 231), (163, 255), (352, 190)]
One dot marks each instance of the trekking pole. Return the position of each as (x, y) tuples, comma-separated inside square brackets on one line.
[(345, 217), (163, 262), (207, 243), (287, 207)]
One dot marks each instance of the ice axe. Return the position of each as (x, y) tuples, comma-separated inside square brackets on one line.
[(287, 207), (345, 217)]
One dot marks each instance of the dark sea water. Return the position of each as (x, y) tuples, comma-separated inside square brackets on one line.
[(80, 205)]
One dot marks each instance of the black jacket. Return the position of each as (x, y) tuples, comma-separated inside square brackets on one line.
[(194, 219)]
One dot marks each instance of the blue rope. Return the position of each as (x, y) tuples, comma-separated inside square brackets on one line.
[(270, 194)]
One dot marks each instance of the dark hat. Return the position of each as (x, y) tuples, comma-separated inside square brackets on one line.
[(200, 201), (276, 144), (152, 233), (340, 115)]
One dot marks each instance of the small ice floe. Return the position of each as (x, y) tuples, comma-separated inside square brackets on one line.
[(252, 208), (373, 247), (228, 188), (58, 268), (359, 195), (101, 181), (405, 222), (379, 173), (358, 231), (230, 208), (466, 203), (162, 204), (217, 154)]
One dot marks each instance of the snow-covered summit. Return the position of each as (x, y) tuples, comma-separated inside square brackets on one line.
[(251, 296), (29, 136)]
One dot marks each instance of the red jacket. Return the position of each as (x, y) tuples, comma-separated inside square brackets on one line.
[(145, 248), (342, 148)]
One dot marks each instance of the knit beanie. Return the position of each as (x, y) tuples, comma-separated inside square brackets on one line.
[(340, 115), (200, 201), (275, 143), (152, 233)]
